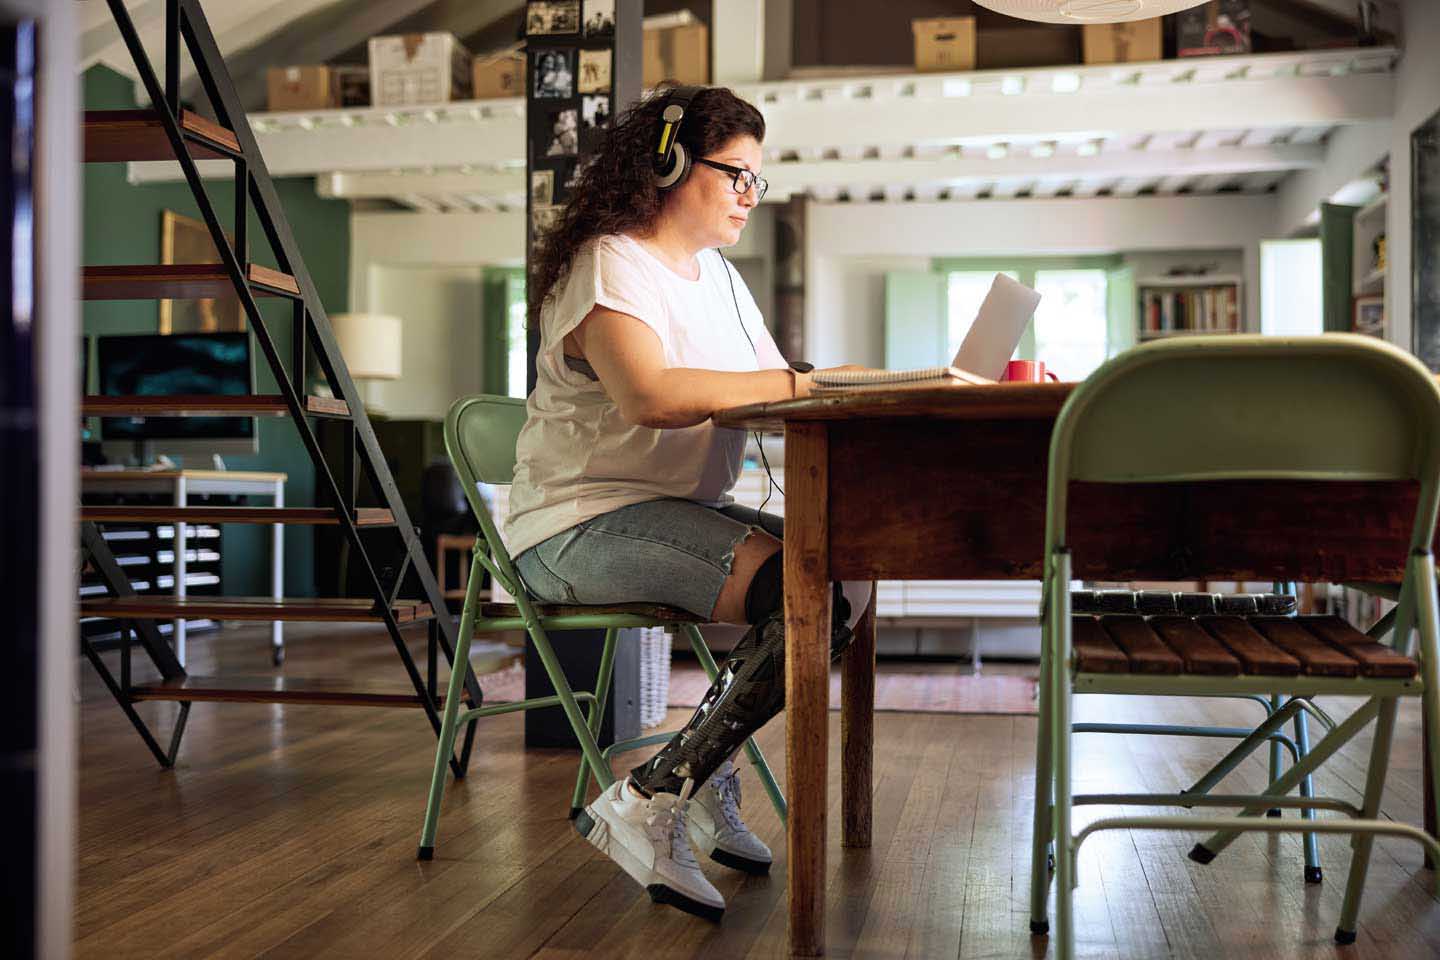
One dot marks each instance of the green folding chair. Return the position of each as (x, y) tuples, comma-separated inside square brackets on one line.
[(1242, 408), (480, 435)]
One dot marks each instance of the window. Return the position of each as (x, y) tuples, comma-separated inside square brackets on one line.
[(516, 352), (1070, 323), (1290, 287)]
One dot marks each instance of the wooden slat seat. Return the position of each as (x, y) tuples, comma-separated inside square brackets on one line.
[(1317, 658), (1146, 652), (328, 609), (1095, 652), (1232, 646), (1375, 659), (650, 611), (1259, 656), (1202, 653)]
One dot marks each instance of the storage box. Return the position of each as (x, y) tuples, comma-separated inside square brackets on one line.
[(415, 68), (945, 43), (353, 83), (301, 88), (1134, 41), (499, 74), (681, 54), (1216, 27)]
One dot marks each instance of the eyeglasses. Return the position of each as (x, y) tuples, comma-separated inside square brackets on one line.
[(740, 178)]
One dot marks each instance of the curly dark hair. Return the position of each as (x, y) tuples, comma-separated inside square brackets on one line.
[(616, 192)]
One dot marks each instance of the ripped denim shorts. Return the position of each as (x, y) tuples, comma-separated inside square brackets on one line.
[(674, 552)]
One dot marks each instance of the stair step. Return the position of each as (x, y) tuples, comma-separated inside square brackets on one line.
[(328, 609), (180, 281), (116, 136), (264, 405), (306, 516), (262, 689)]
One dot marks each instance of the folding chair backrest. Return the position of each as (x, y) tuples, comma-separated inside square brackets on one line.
[(480, 435), (1236, 407)]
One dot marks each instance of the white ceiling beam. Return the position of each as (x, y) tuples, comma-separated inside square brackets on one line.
[(352, 186), (1295, 101)]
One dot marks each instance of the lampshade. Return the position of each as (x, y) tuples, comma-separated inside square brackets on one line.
[(1087, 11), (370, 343)]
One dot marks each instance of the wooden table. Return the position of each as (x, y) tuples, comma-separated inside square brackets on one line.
[(963, 469), (181, 485)]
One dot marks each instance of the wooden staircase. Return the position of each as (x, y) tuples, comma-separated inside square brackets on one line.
[(389, 551)]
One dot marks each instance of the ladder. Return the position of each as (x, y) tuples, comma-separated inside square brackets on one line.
[(389, 547)]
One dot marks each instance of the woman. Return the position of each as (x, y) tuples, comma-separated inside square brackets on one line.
[(621, 488)]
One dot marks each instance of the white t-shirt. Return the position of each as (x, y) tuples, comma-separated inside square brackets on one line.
[(577, 457)]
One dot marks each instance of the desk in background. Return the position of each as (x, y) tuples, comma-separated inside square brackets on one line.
[(180, 486)]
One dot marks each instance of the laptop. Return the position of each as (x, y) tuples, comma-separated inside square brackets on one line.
[(989, 345)]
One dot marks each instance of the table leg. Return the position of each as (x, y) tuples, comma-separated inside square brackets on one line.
[(807, 679), (857, 731), (277, 577)]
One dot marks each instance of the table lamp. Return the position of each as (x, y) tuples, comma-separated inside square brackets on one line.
[(370, 344)]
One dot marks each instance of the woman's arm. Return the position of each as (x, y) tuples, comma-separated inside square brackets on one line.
[(627, 356)]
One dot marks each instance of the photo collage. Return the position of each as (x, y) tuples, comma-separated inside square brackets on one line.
[(570, 94)]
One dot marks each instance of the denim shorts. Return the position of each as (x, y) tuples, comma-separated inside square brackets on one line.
[(674, 552)]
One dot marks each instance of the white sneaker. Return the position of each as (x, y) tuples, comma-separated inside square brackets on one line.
[(716, 828), (647, 839)]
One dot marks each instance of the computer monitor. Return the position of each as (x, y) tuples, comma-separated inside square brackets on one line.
[(176, 365)]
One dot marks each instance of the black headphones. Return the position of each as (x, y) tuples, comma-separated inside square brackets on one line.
[(670, 160)]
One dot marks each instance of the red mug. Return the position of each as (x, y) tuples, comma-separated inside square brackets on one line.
[(1027, 371)]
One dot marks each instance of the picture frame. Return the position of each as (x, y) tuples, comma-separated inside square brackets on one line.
[(599, 19), (1368, 314), (187, 240), (594, 118), (594, 71), (546, 18), (561, 133), (542, 188), (554, 74)]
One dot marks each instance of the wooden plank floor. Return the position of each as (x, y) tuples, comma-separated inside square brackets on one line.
[(290, 832)]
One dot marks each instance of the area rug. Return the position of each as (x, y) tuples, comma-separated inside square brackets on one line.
[(908, 687)]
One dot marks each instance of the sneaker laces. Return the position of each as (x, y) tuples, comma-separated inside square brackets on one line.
[(727, 790), (667, 811)]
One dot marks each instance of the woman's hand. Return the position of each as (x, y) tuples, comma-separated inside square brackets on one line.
[(804, 386)]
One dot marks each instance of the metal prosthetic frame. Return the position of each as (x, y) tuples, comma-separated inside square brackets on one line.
[(749, 690)]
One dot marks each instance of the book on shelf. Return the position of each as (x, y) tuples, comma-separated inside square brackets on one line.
[(1200, 308)]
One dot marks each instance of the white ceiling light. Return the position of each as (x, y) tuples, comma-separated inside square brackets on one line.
[(1087, 11)]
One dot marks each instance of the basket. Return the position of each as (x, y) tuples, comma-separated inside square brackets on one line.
[(654, 675)]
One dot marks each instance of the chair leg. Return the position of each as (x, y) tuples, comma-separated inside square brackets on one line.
[(459, 667), (1364, 842), (752, 749), (596, 717), (1276, 757), (1307, 790), (1427, 622), (1064, 844), (589, 749), (1044, 781)]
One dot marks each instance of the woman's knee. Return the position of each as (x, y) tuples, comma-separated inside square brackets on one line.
[(754, 564)]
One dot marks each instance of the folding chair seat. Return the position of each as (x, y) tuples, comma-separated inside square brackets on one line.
[(1186, 412), (480, 435)]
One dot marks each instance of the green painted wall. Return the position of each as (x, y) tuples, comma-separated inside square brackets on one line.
[(122, 225)]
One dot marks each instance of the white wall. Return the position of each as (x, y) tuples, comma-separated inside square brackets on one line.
[(852, 246), (442, 348), (1417, 96)]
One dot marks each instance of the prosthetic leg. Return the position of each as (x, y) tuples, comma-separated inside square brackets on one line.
[(749, 690)]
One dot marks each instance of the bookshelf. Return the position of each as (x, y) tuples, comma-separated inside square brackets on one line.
[(1176, 306), (1368, 308)]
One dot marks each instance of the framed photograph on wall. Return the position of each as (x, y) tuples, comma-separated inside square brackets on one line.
[(187, 240), (594, 115), (594, 71), (599, 18), (554, 74), (542, 188), (562, 133), (545, 18), (1369, 314)]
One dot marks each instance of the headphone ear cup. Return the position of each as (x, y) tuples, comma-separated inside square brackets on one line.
[(679, 167)]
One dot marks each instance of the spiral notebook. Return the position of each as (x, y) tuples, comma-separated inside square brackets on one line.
[(1003, 317)]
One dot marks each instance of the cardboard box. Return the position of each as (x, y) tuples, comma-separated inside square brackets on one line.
[(1036, 45), (415, 68), (301, 88), (1135, 41), (1218, 27), (681, 54), (499, 74), (944, 44)]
